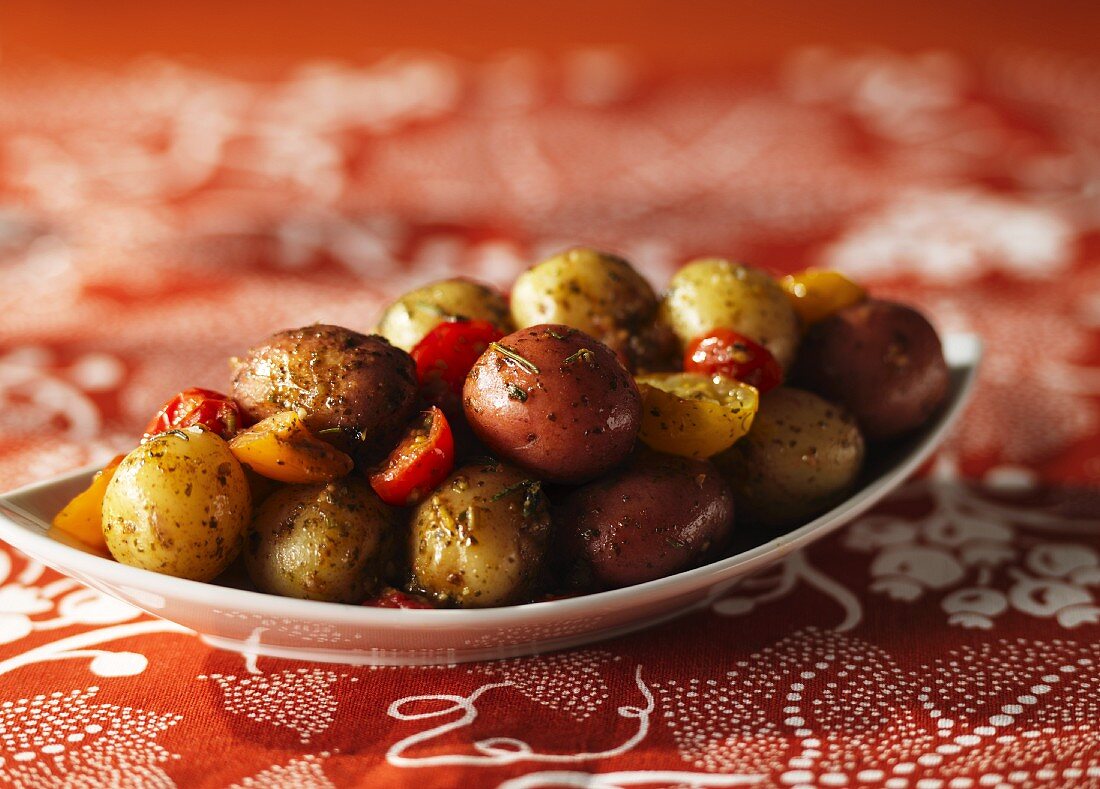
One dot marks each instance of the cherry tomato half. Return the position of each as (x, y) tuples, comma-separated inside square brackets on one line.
[(195, 406), (733, 355), (420, 462), (445, 356), (395, 598)]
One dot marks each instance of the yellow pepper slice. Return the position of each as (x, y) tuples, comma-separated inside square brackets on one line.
[(282, 448), (816, 294), (694, 415), (82, 517)]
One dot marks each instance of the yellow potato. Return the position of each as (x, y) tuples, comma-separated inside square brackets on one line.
[(479, 540), (600, 294), (712, 293), (694, 415), (801, 457), (179, 504), (321, 542), (407, 320)]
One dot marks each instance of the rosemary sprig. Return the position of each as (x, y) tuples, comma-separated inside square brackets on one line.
[(522, 361), (523, 483)]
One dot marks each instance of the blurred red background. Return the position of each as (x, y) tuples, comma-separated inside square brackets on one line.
[(177, 180), (702, 33)]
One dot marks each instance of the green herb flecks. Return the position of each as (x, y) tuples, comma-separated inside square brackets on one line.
[(532, 499), (582, 354), (516, 393), (513, 488)]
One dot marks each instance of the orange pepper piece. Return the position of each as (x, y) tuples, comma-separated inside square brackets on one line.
[(282, 448), (82, 517), (816, 294)]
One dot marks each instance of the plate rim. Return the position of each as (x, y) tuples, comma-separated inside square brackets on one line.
[(963, 352)]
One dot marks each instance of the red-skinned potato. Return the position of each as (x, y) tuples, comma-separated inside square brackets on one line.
[(554, 401), (652, 518), (881, 360), (342, 379)]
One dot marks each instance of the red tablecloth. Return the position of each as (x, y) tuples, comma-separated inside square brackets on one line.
[(159, 218)]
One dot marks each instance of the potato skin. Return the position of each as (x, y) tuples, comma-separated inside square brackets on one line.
[(572, 420), (800, 458), (480, 539), (648, 520), (883, 361), (179, 504), (413, 315), (600, 294), (712, 293), (328, 542), (339, 377)]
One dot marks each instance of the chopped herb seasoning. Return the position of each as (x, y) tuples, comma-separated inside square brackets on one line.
[(523, 483), (582, 354), (516, 393)]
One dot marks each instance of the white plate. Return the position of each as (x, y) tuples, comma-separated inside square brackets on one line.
[(261, 624)]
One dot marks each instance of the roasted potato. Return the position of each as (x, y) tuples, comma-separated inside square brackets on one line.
[(883, 361), (479, 540), (340, 378), (647, 520), (801, 457), (179, 504), (600, 294), (713, 293), (329, 542), (407, 320), (555, 401)]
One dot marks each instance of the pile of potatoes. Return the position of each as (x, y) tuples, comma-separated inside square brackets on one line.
[(593, 445)]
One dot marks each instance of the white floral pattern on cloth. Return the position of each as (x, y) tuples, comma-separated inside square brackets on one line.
[(982, 558), (307, 772), (301, 700), (571, 683), (853, 716), (70, 740), (954, 236), (28, 607), (978, 556)]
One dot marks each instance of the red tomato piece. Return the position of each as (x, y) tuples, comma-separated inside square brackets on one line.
[(395, 598), (734, 355), (196, 406), (447, 353), (420, 462)]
